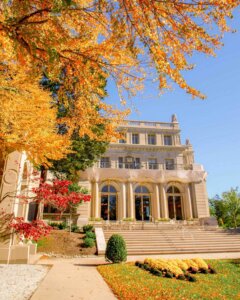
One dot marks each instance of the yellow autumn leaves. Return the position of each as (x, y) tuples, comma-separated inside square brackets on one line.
[(93, 42)]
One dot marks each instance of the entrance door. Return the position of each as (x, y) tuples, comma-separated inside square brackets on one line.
[(138, 208), (178, 208), (175, 207), (142, 208), (109, 203), (146, 208)]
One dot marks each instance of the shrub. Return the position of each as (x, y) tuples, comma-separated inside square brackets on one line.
[(53, 224), (192, 279), (89, 243), (159, 273), (169, 275), (147, 267), (204, 271), (96, 219), (74, 228), (154, 271), (181, 277), (128, 219), (87, 228), (212, 271), (116, 249), (90, 234), (62, 226)]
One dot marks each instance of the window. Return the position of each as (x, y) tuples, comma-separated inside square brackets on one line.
[(132, 163), (167, 140), (152, 139), (152, 164), (129, 162), (169, 164), (173, 190), (105, 162), (141, 190), (120, 163), (123, 140), (135, 138)]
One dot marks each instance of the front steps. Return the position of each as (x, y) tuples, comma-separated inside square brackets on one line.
[(170, 239)]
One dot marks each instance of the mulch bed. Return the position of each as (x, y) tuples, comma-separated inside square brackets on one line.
[(64, 243)]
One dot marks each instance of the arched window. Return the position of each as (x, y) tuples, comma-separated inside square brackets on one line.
[(109, 203), (174, 203), (142, 204), (173, 190)]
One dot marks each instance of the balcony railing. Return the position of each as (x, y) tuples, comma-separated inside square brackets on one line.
[(143, 165), (150, 124)]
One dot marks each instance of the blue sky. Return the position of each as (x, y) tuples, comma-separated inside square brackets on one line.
[(212, 125)]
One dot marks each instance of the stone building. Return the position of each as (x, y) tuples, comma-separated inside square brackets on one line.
[(147, 176)]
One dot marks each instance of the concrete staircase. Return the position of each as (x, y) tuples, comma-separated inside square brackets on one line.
[(170, 239)]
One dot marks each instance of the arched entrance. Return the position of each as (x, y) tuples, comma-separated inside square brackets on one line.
[(174, 203), (109, 203), (142, 204)]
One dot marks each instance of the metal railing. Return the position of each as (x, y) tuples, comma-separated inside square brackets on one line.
[(142, 165), (149, 124)]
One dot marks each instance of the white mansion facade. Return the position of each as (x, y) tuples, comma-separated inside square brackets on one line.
[(147, 176)]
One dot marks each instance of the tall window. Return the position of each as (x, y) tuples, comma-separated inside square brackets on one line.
[(152, 164), (109, 203), (105, 162), (152, 139), (120, 163), (142, 204), (174, 203), (169, 164), (135, 138), (167, 140)]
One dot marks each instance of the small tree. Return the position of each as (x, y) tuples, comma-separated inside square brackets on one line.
[(226, 208), (232, 204), (62, 195), (116, 249)]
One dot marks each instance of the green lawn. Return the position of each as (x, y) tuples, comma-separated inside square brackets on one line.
[(130, 282)]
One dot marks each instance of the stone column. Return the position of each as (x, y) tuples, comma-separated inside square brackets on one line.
[(163, 203), (96, 200), (156, 206), (188, 203), (122, 200), (130, 201)]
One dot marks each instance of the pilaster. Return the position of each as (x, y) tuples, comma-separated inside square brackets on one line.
[(156, 207), (188, 203), (122, 202), (163, 203), (130, 201)]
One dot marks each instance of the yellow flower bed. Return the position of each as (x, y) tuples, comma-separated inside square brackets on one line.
[(176, 266), (163, 264), (201, 263)]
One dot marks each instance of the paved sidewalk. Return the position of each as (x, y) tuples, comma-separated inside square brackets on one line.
[(78, 278), (73, 279)]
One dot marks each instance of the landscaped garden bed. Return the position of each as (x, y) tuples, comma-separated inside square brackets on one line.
[(62, 242), (128, 281)]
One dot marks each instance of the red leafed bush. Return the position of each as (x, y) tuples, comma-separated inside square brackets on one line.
[(32, 231), (58, 195)]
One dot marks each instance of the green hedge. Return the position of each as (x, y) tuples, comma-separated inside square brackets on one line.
[(116, 249)]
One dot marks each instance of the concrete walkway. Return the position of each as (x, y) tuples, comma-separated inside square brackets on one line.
[(73, 279), (78, 278)]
